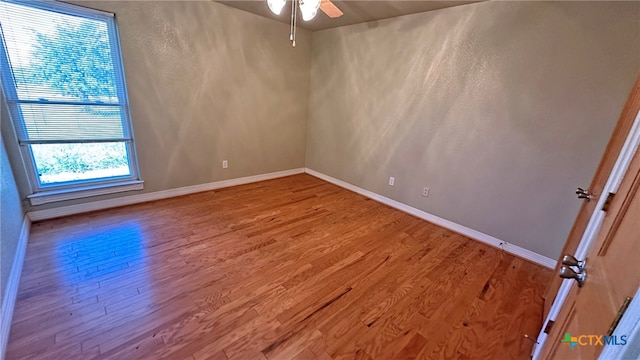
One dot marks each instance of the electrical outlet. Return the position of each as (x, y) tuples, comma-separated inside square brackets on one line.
[(225, 164), (392, 181), (425, 192)]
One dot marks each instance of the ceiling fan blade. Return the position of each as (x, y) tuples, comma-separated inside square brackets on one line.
[(330, 9)]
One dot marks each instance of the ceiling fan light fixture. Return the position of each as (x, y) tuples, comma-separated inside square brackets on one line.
[(309, 9), (276, 6)]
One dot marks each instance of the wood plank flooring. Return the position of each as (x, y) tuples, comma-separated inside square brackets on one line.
[(292, 268)]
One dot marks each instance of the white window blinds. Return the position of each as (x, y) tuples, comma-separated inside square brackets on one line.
[(62, 75)]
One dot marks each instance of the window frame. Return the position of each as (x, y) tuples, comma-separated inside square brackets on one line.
[(60, 191)]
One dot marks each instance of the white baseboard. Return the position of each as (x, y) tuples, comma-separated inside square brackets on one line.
[(158, 195), (11, 291), (476, 235), (152, 196)]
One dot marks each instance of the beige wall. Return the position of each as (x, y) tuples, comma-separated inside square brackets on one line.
[(208, 83), (501, 108), (11, 216)]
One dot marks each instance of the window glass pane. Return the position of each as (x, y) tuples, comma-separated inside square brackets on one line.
[(70, 162), (70, 122), (58, 56)]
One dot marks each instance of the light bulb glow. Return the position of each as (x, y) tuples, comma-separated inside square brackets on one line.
[(276, 6), (309, 9)]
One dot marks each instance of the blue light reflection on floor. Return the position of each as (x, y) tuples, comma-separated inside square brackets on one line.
[(95, 254)]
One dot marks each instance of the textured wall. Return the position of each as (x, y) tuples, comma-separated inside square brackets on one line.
[(206, 83), (501, 108), (11, 215)]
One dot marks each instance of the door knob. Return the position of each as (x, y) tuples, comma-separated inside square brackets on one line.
[(568, 273), (572, 261), (583, 194)]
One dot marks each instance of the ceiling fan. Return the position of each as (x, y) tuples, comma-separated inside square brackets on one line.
[(308, 10)]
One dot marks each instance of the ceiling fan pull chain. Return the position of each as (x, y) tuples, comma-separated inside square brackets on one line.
[(291, 27), (295, 21)]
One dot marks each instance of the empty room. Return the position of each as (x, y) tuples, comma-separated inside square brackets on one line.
[(320, 179)]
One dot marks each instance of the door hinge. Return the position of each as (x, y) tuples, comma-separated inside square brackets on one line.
[(607, 202), (621, 312), (547, 329)]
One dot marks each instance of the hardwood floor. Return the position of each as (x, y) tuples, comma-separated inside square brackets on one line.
[(292, 268)]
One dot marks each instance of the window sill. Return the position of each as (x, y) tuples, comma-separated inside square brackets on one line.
[(45, 197)]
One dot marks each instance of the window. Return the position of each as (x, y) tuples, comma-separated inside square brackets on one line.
[(63, 80)]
